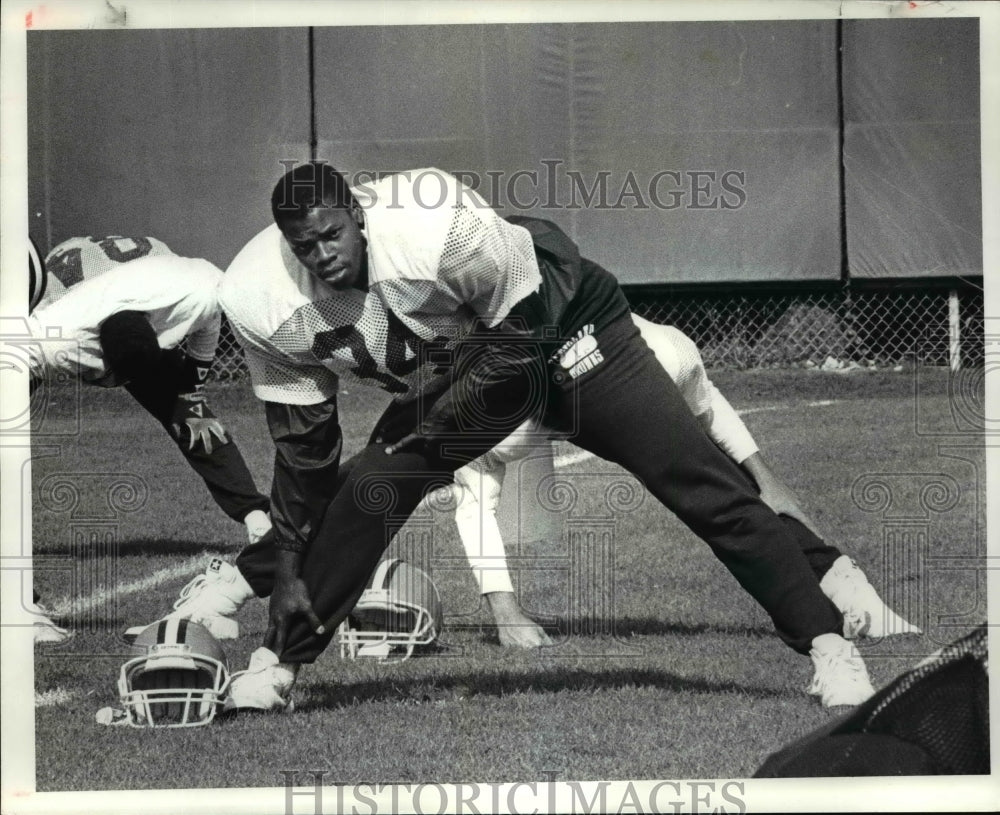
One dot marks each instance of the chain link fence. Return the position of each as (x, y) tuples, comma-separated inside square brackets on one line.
[(835, 327), (229, 364)]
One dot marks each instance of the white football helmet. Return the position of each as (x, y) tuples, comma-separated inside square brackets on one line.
[(37, 279), (179, 679), (398, 611)]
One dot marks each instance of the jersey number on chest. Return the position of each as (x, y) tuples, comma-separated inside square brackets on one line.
[(405, 351)]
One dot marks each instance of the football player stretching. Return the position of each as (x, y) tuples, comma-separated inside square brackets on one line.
[(115, 314), (474, 324), (223, 588)]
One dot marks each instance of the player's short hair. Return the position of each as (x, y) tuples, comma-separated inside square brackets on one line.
[(310, 185), (129, 345)]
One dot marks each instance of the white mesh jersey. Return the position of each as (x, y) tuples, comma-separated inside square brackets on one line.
[(438, 258), (680, 358), (180, 295), (79, 259)]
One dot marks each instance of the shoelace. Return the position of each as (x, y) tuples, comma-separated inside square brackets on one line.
[(850, 597), (191, 590), (825, 665), (856, 624)]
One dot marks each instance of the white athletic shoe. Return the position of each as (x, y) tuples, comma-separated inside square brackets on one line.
[(45, 629), (841, 677), (265, 685), (865, 614), (258, 524), (212, 598)]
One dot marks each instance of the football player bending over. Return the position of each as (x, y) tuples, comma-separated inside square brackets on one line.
[(477, 490), (478, 487), (474, 324), (115, 312)]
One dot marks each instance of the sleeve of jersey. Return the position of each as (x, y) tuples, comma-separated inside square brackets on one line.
[(490, 266), (727, 429), (307, 442), (277, 380), (488, 263), (276, 375), (205, 311), (202, 342)]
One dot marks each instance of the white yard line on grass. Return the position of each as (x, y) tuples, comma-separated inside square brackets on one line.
[(66, 605), (766, 408), (53, 697)]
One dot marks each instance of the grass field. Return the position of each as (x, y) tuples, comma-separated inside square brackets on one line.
[(677, 675)]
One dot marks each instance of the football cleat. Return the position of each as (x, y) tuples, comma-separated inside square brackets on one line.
[(178, 677), (212, 598), (44, 628), (265, 685), (841, 677), (398, 611), (865, 614)]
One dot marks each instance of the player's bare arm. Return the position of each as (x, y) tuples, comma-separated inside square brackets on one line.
[(289, 599), (776, 493)]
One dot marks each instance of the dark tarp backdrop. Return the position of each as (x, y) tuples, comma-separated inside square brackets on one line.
[(660, 111), (912, 148), (171, 133), (673, 152)]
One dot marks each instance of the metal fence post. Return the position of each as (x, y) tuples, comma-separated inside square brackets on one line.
[(954, 332)]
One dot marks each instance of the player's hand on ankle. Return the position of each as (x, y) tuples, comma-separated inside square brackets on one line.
[(784, 501), (289, 600)]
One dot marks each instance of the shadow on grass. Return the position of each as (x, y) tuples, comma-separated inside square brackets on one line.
[(151, 547), (505, 683), (562, 627)]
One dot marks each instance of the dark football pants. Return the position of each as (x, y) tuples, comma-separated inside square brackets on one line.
[(376, 495), (224, 471), (256, 561), (626, 410)]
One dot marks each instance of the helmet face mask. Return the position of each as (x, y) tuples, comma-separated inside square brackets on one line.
[(179, 680), (400, 611)]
